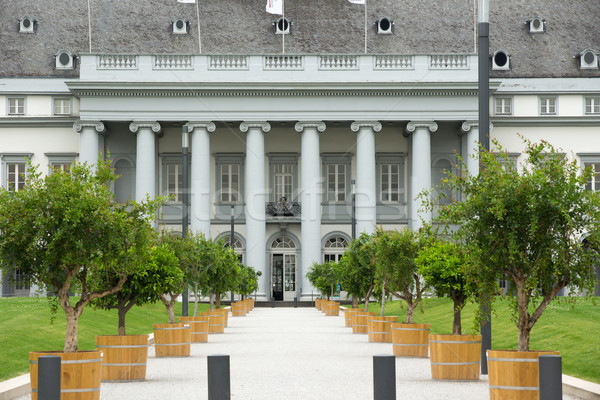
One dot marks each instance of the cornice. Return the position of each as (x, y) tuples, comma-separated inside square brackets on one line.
[(38, 121), (318, 125), (546, 121)]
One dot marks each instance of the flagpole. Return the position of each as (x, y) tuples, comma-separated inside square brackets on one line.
[(283, 26), (198, 19), (366, 26)]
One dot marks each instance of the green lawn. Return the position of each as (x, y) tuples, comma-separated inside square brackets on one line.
[(25, 325), (571, 328)]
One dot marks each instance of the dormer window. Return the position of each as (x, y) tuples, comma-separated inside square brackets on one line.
[(64, 60), (501, 61), (588, 59), (180, 26), (27, 25), (384, 26), (282, 26), (536, 25)]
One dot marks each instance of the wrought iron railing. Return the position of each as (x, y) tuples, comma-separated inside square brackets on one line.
[(282, 209)]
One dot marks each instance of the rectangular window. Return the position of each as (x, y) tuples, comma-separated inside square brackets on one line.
[(336, 182), (174, 180), (283, 181), (594, 184), (16, 106), (390, 183), (503, 106), (592, 105), (15, 176), (230, 183), (62, 106), (21, 280), (547, 105)]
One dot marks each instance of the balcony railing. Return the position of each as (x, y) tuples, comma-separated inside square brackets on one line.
[(282, 209)]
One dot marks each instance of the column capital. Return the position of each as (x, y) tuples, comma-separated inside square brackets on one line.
[(136, 125), (414, 125), (208, 125), (98, 125), (375, 125), (466, 126), (263, 125), (318, 125)]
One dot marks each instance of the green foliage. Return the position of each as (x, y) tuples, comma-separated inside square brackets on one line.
[(357, 267), (167, 276), (248, 282), (324, 277), (65, 228), (527, 224)]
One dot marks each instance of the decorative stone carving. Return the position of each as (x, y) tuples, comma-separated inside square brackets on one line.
[(413, 125), (208, 125), (135, 126), (98, 125), (318, 125), (265, 126), (375, 125)]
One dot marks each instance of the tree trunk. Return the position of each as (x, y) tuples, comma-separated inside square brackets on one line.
[(122, 312), (383, 299), (196, 295), (211, 301), (71, 333), (523, 321), (171, 312), (354, 302), (410, 311), (218, 296), (456, 324), (367, 297)]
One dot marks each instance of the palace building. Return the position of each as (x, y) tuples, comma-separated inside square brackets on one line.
[(298, 124)]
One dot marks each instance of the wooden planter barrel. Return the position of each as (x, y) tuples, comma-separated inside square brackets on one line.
[(359, 321), (410, 340), (238, 309), (216, 322), (123, 357), (514, 375), (80, 376), (348, 316), (455, 357), (199, 327), (380, 328), (318, 303), (332, 309), (172, 340)]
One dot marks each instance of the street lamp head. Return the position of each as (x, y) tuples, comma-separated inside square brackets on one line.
[(483, 14)]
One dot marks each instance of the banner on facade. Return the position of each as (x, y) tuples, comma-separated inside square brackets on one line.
[(275, 7), (357, 1)]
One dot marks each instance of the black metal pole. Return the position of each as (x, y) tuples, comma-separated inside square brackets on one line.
[(384, 377), (185, 202), (231, 237), (219, 379), (353, 209), (550, 377), (49, 376), (484, 140)]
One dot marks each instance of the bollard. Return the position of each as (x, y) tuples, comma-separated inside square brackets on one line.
[(49, 372), (272, 302), (295, 302), (219, 386), (550, 377), (384, 377)]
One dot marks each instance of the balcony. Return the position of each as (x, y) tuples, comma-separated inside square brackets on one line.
[(283, 209)]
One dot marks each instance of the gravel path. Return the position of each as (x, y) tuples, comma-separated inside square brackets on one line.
[(289, 354)]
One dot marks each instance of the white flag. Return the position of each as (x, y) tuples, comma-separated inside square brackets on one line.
[(275, 6), (186, 1), (357, 1)]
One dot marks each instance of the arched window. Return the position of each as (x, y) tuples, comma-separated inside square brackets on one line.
[(283, 242), (334, 248), (237, 245)]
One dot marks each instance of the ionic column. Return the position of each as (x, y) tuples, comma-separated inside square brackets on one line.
[(200, 187), (421, 168), (470, 143), (256, 197), (145, 163), (89, 140), (310, 198), (366, 177)]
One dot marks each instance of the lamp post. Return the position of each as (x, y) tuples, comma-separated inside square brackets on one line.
[(185, 200), (483, 28), (353, 188), (231, 236)]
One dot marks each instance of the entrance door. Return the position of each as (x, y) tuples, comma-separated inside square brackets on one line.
[(289, 276), (277, 278)]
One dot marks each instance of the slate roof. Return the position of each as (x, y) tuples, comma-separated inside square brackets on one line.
[(325, 27)]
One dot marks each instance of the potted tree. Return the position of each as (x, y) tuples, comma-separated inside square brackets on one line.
[(357, 276), (397, 251), (324, 277), (536, 226), (455, 356), (61, 230)]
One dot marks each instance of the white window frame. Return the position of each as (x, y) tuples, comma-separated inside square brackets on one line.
[(60, 160), (548, 105), (592, 159), (10, 159), (62, 101), (230, 192), (340, 189), (385, 195), (592, 105), (16, 108), (503, 106), (290, 177), (224, 195), (336, 160)]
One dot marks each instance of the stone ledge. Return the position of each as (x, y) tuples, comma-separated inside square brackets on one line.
[(580, 388), (15, 387)]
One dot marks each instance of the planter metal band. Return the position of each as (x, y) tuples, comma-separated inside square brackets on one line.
[(123, 364), (72, 361), (533, 360), (199, 333), (514, 387), (172, 344), (409, 345), (382, 333), (73, 390), (452, 341), (170, 329), (410, 329), (133, 346), (456, 363)]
